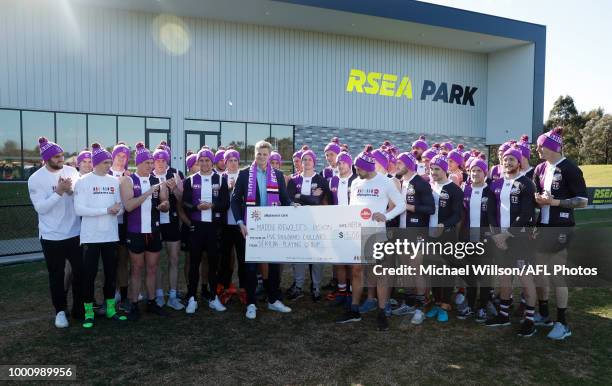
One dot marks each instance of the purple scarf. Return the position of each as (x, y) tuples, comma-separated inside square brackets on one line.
[(272, 187)]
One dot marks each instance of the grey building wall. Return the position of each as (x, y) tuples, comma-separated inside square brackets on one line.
[(99, 60)]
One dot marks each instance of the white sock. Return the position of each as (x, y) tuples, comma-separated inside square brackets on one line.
[(159, 293), (172, 294)]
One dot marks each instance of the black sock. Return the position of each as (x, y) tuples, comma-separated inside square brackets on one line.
[(123, 292), (543, 306), (561, 315)]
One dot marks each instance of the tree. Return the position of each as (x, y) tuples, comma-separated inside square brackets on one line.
[(596, 147), (565, 114)]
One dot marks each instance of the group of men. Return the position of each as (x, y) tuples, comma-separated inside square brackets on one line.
[(443, 192)]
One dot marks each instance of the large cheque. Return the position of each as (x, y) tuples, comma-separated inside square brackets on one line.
[(305, 234)]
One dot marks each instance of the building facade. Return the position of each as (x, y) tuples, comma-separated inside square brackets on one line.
[(233, 72)]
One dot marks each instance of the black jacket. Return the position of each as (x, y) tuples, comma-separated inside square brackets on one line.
[(239, 195), (419, 194), (318, 181), (220, 202)]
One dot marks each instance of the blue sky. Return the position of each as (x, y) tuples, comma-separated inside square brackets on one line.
[(578, 44)]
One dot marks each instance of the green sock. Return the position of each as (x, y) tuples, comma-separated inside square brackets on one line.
[(111, 311), (89, 315)]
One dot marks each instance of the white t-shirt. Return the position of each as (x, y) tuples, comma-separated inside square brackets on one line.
[(164, 217), (548, 180), (206, 195), (405, 185), (93, 194), (56, 217), (343, 187), (475, 205), (306, 185), (504, 203), (118, 175), (421, 170), (375, 194)]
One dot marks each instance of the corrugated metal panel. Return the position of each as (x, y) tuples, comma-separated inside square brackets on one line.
[(269, 74)]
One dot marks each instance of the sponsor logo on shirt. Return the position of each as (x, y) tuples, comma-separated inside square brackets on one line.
[(365, 213), (103, 190)]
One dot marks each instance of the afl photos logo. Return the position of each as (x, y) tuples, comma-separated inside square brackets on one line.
[(366, 214)]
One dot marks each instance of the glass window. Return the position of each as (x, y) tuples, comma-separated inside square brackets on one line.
[(232, 134), (194, 125), (131, 130), (102, 129), (255, 133), (193, 142), (282, 141), (155, 138), (158, 123), (212, 141), (10, 145), (35, 124), (71, 134)]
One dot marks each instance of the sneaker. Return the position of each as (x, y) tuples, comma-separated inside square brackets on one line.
[(349, 317), (464, 313), (225, 297), (527, 329), (133, 313), (175, 304), (192, 306), (316, 296), (124, 305), (388, 309), (540, 320), (278, 306), (559, 331), (251, 312), (498, 321), (159, 300), (394, 303), (295, 294), (433, 312), (418, 318), (403, 310), (381, 321), (481, 315), (60, 320), (216, 305), (154, 308), (368, 305), (442, 315)]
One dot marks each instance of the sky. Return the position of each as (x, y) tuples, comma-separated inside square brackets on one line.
[(578, 45)]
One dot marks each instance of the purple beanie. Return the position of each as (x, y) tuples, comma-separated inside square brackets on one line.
[(311, 153), (382, 157), (298, 154), (83, 156), (552, 140), (99, 154), (206, 152), (48, 149), (345, 157), (456, 156), (164, 145), (503, 147), (161, 153), (481, 162), (515, 152), (190, 160), (219, 155), (231, 153), (274, 155), (441, 161), (142, 153), (365, 160), (122, 148), (334, 146), (420, 143), (447, 145), (409, 160)]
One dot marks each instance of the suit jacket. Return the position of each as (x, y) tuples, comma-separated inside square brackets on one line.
[(239, 195)]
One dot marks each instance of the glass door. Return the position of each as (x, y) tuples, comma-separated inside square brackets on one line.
[(154, 136)]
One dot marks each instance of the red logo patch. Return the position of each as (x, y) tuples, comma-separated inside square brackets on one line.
[(366, 214)]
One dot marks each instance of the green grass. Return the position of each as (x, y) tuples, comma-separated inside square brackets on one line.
[(597, 175)]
